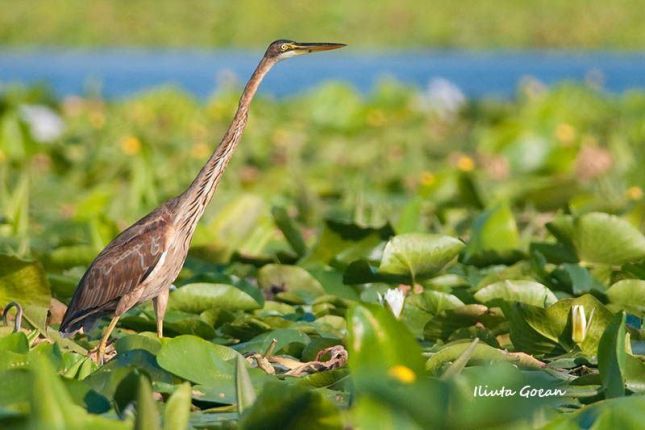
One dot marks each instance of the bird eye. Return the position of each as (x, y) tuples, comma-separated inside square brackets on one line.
[(284, 47)]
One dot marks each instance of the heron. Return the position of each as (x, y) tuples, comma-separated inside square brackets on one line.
[(141, 262)]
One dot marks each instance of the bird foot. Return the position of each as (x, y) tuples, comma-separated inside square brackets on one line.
[(109, 354)]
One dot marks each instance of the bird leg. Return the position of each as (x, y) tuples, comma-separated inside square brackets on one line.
[(106, 336), (159, 303)]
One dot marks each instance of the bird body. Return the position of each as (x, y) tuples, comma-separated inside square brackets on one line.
[(142, 261)]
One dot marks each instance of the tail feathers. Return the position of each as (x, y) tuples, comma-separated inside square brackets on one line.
[(73, 323)]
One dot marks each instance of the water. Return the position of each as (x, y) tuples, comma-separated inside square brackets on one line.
[(122, 72)]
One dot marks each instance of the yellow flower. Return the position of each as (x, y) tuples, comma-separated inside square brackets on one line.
[(3, 156), (130, 145), (465, 163), (634, 193), (427, 178), (565, 133), (403, 374)]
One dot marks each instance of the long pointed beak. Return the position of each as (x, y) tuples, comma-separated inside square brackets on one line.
[(315, 47)]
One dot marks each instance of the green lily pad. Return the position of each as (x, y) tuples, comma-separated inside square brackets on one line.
[(628, 294), (481, 353), (494, 239), (600, 238), (528, 292), (196, 359), (293, 280), (196, 298), (418, 255)]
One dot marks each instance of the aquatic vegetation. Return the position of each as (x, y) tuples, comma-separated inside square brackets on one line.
[(380, 262)]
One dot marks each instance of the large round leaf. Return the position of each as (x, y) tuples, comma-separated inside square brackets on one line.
[(528, 292), (606, 239), (196, 359), (293, 280), (419, 255), (196, 298), (628, 294)]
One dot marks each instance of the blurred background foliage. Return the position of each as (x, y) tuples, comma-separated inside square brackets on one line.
[(474, 24), (404, 159)]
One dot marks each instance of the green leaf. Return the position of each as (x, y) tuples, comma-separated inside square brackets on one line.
[(290, 230), (460, 363), (538, 330), (196, 360), (575, 279), (600, 238), (25, 283), (52, 407), (418, 255), (612, 357), (629, 294), (528, 292), (332, 281), (196, 298), (243, 387), (494, 238), (284, 337), (619, 413), (379, 344), (244, 225), (15, 342), (126, 392), (634, 374), (147, 416), (479, 353), (362, 272), (341, 243), (291, 407), (175, 323), (137, 341), (16, 391), (177, 412), (418, 309), (290, 279)]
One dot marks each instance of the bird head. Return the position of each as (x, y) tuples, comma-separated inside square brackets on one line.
[(281, 49)]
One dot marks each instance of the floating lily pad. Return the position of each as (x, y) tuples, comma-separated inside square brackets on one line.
[(418, 255), (528, 292)]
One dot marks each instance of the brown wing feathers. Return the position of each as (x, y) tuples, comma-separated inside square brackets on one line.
[(117, 270)]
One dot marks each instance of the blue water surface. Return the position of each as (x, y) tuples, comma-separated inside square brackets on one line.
[(122, 72)]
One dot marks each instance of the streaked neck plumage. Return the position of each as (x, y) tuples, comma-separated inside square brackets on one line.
[(192, 203)]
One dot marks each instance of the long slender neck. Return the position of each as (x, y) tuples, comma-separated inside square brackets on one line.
[(192, 203)]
